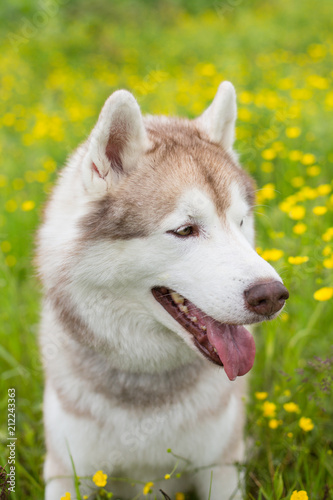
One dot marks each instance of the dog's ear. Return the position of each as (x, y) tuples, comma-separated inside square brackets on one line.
[(218, 121), (115, 144)]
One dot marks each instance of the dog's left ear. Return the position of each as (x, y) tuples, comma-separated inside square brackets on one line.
[(218, 121), (115, 144)]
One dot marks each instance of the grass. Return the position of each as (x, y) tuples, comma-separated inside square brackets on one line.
[(59, 65)]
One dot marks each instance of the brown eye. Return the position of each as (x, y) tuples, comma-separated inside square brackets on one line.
[(185, 231)]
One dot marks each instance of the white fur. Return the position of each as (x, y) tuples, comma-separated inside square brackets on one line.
[(218, 120), (109, 287)]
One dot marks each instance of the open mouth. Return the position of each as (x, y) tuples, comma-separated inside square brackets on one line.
[(230, 346)]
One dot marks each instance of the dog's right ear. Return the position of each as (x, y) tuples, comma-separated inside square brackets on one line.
[(115, 144), (218, 121)]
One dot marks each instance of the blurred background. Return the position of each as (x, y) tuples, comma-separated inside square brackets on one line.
[(59, 61)]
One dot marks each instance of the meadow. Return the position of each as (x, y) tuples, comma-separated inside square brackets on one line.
[(59, 62)]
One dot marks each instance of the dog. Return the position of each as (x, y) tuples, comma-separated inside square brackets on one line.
[(146, 256)]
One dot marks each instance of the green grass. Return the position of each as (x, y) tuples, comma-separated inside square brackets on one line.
[(172, 56)]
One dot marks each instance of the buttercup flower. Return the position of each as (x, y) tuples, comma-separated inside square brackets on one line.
[(291, 407), (180, 496), (28, 205), (274, 424), (297, 260), (313, 171), (269, 409), (299, 495), (272, 254), (308, 159), (66, 497), (324, 189), (297, 212), (328, 263), (306, 424), (293, 132), (324, 293), (261, 395), (328, 235), (319, 210), (300, 228), (100, 478), (147, 487)]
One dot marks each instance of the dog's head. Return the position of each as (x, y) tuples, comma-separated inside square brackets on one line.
[(172, 225)]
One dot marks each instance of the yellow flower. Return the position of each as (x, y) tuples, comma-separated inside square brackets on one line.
[(316, 51), (50, 165), (313, 171), (306, 424), (28, 205), (167, 476), (327, 251), (273, 254), (299, 228), (297, 212), (100, 478), (267, 192), (66, 497), (319, 210), (308, 159), (261, 395), (147, 487), (324, 293), (268, 154), (293, 132), (274, 424), (291, 407), (307, 193), (328, 263), (324, 189), (244, 115), (328, 235), (180, 496), (299, 495), (290, 435), (297, 260), (269, 409), (297, 182)]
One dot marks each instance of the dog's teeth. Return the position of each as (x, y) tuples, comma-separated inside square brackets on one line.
[(194, 319), (203, 327), (215, 350), (183, 309), (178, 299)]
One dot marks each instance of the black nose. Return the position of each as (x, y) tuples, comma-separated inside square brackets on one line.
[(266, 298)]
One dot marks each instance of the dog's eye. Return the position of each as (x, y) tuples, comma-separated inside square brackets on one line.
[(185, 231)]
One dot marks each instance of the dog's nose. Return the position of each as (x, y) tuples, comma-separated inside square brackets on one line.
[(266, 298)]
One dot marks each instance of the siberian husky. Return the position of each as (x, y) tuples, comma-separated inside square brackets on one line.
[(149, 272)]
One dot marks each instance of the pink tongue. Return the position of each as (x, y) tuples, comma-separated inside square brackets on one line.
[(235, 347)]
